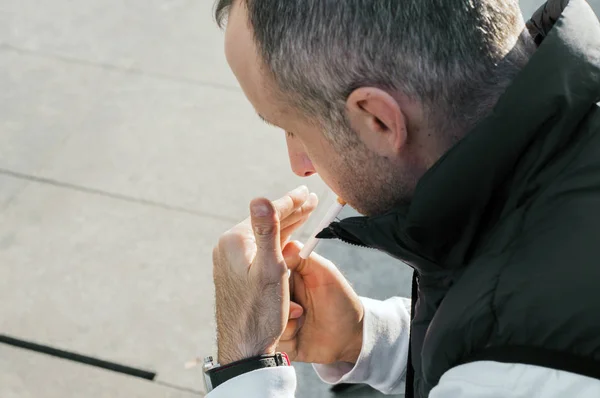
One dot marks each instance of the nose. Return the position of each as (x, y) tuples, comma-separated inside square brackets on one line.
[(299, 160)]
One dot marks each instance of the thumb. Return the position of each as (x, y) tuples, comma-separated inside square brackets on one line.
[(265, 224), (314, 271), (291, 255)]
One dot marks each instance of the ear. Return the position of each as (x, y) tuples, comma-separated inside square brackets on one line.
[(378, 120)]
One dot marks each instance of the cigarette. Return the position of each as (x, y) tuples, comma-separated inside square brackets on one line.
[(312, 242)]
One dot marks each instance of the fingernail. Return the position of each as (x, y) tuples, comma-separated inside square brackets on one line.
[(296, 314), (260, 210)]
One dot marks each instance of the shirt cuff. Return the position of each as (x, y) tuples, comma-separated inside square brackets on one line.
[(277, 382), (384, 352)]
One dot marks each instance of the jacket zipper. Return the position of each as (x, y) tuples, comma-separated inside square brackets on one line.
[(410, 371), (336, 235)]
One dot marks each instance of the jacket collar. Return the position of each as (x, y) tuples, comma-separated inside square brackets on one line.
[(544, 18), (543, 105)]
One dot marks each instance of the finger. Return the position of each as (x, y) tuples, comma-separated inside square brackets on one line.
[(290, 202), (301, 213), (286, 233), (290, 330), (313, 271), (265, 224), (291, 255), (297, 289), (296, 310)]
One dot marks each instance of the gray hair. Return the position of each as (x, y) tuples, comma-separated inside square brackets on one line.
[(453, 56)]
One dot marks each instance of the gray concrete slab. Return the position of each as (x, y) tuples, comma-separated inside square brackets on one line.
[(9, 189), (124, 282), (26, 374), (174, 38), (199, 148), (134, 100), (38, 112)]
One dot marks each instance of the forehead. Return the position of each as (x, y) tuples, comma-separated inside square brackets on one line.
[(240, 49), (244, 61)]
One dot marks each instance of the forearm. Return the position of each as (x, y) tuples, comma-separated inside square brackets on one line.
[(384, 353)]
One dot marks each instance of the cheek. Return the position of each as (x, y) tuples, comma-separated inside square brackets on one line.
[(326, 160), (330, 170)]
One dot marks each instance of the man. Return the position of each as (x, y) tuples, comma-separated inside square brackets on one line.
[(472, 146)]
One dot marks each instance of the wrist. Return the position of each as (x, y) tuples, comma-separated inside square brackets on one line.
[(239, 352), (354, 348), (217, 374)]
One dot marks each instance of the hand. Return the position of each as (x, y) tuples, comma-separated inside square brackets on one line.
[(331, 328), (251, 279)]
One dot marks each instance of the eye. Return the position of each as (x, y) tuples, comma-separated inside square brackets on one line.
[(290, 134)]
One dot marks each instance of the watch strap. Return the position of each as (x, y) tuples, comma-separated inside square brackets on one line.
[(221, 374)]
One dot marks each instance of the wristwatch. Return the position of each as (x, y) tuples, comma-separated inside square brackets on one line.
[(215, 374)]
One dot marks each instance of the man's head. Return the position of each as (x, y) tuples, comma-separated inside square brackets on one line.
[(372, 92)]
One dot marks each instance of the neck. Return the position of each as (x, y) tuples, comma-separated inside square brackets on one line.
[(492, 82), (479, 96)]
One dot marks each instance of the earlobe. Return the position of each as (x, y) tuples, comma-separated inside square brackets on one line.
[(377, 118)]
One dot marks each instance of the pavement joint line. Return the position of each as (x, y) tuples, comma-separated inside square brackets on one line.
[(117, 196), (79, 358), (131, 70)]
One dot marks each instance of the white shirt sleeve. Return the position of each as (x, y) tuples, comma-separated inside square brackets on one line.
[(381, 364), (278, 382), (487, 379), (384, 354)]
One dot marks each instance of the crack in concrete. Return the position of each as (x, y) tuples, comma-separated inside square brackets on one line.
[(112, 195), (106, 66)]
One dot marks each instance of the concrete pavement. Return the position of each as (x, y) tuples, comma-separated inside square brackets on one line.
[(30, 375), (126, 148)]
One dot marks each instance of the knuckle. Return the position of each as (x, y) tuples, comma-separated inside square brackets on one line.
[(290, 200), (284, 204), (229, 240), (264, 229), (219, 265), (297, 214), (287, 199), (306, 210), (216, 255), (271, 279)]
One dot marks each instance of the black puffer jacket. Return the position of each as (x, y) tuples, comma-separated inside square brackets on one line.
[(504, 231)]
